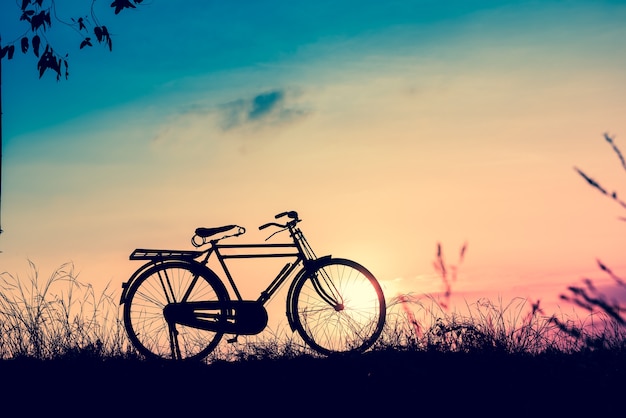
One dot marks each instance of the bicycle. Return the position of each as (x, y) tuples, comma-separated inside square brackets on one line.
[(177, 308)]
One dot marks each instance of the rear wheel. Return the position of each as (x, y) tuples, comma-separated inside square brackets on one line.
[(339, 307), (159, 286)]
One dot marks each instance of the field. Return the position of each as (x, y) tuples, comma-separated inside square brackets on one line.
[(381, 383), (64, 352)]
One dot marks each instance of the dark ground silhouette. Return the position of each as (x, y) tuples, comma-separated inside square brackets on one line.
[(373, 384)]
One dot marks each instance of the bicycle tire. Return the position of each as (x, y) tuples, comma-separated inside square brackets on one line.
[(355, 324), (145, 323)]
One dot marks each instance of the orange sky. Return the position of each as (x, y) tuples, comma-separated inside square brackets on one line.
[(387, 141)]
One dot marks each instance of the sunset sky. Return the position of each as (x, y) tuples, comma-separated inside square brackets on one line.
[(389, 126)]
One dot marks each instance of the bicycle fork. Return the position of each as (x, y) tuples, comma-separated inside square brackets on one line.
[(327, 290)]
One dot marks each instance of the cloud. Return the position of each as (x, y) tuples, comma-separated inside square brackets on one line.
[(268, 108), (264, 103), (201, 121)]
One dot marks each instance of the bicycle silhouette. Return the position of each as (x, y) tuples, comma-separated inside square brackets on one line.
[(177, 308)]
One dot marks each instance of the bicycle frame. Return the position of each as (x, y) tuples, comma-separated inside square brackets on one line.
[(302, 253), (303, 256)]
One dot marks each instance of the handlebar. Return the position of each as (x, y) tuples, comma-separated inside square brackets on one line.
[(272, 224), (292, 214)]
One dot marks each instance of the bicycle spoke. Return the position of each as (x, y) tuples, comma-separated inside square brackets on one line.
[(166, 286)]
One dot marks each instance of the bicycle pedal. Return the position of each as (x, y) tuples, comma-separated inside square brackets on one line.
[(232, 340)]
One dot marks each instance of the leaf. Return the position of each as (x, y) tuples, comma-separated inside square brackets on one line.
[(24, 44), (122, 4), (26, 15), (98, 32), (46, 61), (39, 2), (37, 21), (81, 24), (85, 42), (11, 51), (42, 69), (36, 42), (107, 37), (25, 4), (3, 52)]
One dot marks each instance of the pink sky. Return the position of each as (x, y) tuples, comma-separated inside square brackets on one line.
[(386, 141)]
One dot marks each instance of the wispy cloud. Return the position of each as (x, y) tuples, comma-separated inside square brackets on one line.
[(272, 107), (264, 103)]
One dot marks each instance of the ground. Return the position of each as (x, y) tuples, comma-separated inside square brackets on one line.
[(373, 384)]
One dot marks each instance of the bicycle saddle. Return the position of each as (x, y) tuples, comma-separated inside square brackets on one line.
[(209, 232)]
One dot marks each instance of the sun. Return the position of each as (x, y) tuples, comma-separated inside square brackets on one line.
[(360, 295)]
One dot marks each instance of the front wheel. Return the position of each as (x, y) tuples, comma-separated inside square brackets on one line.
[(338, 307), (159, 286)]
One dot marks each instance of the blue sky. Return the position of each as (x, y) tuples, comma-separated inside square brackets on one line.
[(389, 126)]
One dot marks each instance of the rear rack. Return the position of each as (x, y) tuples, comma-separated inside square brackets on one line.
[(143, 254)]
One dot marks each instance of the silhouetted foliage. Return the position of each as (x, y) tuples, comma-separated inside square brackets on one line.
[(123, 4), (588, 296), (596, 185), (448, 273), (39, 15)]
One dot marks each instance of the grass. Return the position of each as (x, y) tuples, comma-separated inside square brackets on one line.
[(61, 317), (64, 347), (58, 316)]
